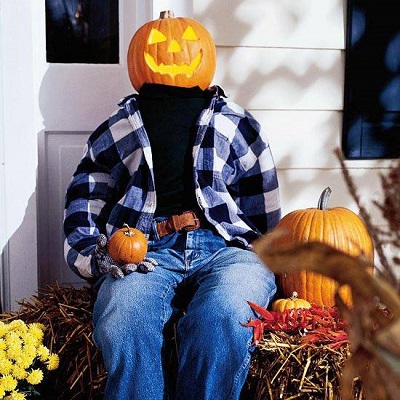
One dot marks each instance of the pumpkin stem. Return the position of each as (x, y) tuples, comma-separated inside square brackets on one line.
[(167, 14), (128, 231), (294, 296), (324, 199)]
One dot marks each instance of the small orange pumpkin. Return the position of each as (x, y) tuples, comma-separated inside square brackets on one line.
[(338, 227), (293, 301), (172, 51), (127, 245)]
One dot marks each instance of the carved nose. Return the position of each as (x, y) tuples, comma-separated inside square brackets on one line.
[(174, 47)]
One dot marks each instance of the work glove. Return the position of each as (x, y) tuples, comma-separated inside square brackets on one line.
[(107, 265)]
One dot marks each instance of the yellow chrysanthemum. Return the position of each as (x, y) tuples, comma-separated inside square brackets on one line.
[(53, 362), (2, 392), (23, 336), (3, 355), (3, 344), (31, 340), (39, 325), (15, 395), (43, 353), (30, 351), (35, 377), (36, 330), (6, 366), (24, 361), (14, 351), (18, 372), (8, 382), (12, 337), (3, 329), (17, 324)]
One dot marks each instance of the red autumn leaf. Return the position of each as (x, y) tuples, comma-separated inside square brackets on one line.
[(261, 310), (316, 324)]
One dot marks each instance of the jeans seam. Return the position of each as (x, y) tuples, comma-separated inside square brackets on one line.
[(163, 322), (164, 295), (242, 369)]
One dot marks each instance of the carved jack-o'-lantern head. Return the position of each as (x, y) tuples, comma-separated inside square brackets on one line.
[(172, 51)]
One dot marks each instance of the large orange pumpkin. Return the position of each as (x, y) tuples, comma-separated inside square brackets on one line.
[(127, 245), (338, 227), (172, 51)]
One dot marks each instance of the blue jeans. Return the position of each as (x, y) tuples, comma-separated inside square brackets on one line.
[(211, 280)]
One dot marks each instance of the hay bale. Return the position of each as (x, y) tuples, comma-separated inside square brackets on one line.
[(282, 367), (285, 367), (67, 314)]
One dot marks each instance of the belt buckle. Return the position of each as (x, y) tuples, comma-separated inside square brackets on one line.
[(187, 221), (196, 224), (179, 222)]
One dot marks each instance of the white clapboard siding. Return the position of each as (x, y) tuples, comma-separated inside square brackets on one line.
[(301, 188), (274, 23), (287, 79), (284, 61), (292, 135), (307, 139)]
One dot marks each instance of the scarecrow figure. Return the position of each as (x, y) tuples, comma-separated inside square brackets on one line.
[(190, 170)]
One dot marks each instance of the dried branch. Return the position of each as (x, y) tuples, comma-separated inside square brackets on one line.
[(390, 209)]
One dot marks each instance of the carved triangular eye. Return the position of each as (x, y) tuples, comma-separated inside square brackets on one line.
[(189, 34), (156, 37)]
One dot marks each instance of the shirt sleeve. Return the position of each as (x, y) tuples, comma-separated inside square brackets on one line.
[(89, 198), (256, 184)]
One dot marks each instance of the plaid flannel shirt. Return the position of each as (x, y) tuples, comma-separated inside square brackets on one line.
[(235, 180)]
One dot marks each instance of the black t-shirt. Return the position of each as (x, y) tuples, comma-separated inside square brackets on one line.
[(170, 114)]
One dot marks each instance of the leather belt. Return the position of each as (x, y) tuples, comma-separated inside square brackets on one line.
[(187, 221)]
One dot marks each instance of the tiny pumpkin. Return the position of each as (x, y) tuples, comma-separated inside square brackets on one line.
[(280, 305), (172, 51), (338, 227), (127, 245)]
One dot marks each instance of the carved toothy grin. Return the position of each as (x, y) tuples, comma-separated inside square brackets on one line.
[(174, 69)]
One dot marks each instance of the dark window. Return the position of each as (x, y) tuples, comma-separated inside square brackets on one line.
[(83, 31), (371, 120)]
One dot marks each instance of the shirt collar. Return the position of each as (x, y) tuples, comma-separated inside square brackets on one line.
[(217, 92)]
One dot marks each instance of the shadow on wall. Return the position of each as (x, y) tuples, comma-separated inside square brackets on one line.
[(291, 84), (79, 97), (20, 276), (59, 154), (265, 75)]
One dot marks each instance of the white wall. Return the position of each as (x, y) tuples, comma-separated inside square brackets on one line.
[(181, 8), (18, 239), (284, 61), (3, 240)]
